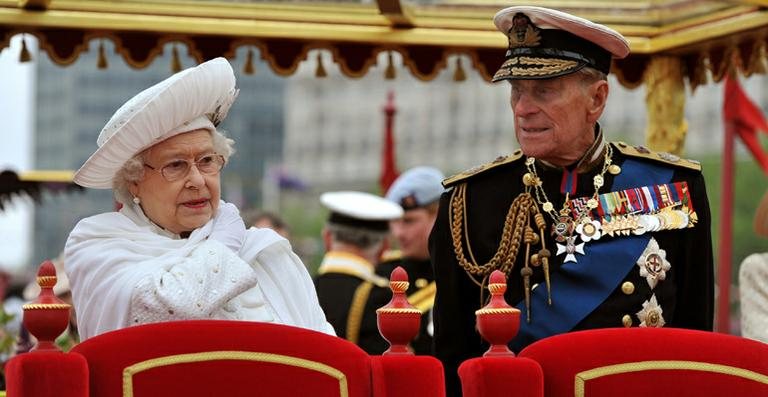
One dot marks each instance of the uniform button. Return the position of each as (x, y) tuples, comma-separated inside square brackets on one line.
[(627, 288), (421, 283), (627, 320)]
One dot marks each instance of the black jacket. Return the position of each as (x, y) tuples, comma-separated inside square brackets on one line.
[(685, 294)]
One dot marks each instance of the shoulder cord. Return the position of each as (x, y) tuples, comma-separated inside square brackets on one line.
[(516, 229)]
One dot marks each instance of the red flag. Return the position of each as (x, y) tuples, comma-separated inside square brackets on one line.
[(746, 119), (388, 163)]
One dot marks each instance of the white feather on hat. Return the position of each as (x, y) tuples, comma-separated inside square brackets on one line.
[(193, 99)]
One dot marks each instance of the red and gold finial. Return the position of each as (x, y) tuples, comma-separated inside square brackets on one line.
[(47, 316), (398, 320), (46, 275), (498, 283), (498, 322), (398, 280)]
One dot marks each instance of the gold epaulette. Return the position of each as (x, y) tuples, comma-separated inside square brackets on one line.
[(663, 157), (391, 255), (424, 298), (452, 180)]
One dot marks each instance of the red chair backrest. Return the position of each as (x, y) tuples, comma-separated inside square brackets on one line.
[(224, 358), (651, 361)]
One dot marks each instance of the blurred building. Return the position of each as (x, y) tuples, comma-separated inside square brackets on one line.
[(334, 125), (300, 135)]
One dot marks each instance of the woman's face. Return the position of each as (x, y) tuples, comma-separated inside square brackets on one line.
[(188, 202)]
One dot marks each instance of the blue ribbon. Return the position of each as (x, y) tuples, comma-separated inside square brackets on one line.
[(578, 288)]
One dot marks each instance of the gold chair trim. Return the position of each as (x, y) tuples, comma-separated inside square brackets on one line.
[(134, 369), (42, 306), (398, 310), (497, 311), (599, 372)]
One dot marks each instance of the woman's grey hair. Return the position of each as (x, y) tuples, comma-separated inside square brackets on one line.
[(133, 169)]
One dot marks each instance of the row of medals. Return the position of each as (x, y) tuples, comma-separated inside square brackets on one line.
[(674, 216)]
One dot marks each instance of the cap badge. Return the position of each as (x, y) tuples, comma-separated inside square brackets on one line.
[(523, 33), (408, 201)]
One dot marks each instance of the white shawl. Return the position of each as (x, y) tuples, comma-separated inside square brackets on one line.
[(125, 270)]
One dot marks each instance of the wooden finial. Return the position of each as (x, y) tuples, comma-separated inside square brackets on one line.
[(320, 71), (249, 68), (24, 55), (175, 60), (390, 73), (102, 61), (459, 74)]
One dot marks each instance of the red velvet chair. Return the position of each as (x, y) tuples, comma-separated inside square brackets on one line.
[(223, 358), (651, 361), (626, 362)]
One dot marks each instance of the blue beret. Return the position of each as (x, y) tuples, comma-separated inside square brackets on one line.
[(417, 187)]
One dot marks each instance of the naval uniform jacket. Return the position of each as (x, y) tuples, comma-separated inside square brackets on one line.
[(420, 292), (349, 293), (609, 292)]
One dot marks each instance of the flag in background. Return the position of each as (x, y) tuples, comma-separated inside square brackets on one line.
[(746, 119), (388, 161)]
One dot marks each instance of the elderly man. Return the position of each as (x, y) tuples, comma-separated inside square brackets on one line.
[(590, 234), (418, 191), (348, 288)]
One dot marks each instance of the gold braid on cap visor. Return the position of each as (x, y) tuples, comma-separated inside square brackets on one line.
[(534, 67)]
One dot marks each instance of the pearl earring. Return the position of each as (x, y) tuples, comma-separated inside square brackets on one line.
[(136, 200)]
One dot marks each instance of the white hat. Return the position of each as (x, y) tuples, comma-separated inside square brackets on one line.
[(196, 98), (417, 187), (360, 209), (546, 43)]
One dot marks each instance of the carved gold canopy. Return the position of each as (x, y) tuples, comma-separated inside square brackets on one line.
[(673, 42), (706, 36)]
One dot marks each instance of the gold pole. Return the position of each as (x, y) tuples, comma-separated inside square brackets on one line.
[(665, 105)]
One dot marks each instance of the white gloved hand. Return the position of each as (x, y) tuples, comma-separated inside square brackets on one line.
[(228, 227)]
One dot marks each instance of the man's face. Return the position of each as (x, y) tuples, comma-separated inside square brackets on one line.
[(412, 232), (554, 118)]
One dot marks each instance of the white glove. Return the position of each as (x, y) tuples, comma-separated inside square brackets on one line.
[(228, 227)]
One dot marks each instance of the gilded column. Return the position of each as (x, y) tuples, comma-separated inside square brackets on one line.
[(665, 105)]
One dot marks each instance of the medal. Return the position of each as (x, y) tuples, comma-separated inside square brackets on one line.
[(570, 248), (562, 229)]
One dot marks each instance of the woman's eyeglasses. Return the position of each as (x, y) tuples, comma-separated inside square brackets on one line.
[(209, 164)]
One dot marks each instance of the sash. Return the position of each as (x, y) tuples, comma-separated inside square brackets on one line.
[(578, 288)]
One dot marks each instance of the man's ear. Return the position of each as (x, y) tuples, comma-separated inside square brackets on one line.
[(327, 241), (597, 100)]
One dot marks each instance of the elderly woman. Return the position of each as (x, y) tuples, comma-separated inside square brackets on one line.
[(175, 251), (753, 282)]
